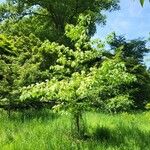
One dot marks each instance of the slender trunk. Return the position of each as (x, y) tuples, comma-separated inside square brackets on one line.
[(77, 124), (9, 112), (22, 116), (9, 109), (77, 121)]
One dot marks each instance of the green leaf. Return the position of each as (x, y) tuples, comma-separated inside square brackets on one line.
[(142, 2)]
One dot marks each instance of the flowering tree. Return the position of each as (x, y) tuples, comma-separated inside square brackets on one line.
[(78, 84)]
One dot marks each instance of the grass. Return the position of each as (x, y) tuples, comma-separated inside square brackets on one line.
[(47, 131)]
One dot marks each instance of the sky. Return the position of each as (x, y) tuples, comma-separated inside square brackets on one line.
[(131, 20)]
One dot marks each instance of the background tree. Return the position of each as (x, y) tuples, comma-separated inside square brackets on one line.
[(8, 55), (50, 17), (132, 52)]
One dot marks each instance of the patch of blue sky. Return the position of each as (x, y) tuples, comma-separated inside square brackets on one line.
[(2, 1), (132, 21)]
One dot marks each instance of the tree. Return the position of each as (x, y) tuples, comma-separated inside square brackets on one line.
[(135, 49), (8, 55), (132, 52), (52, 16), (22, 64), (85, 88)]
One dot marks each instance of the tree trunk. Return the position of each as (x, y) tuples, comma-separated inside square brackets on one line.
[(77, 124)]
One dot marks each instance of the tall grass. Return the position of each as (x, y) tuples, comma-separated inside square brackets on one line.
[(47, 131)]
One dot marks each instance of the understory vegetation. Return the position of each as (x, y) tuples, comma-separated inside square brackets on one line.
[(46, 130)]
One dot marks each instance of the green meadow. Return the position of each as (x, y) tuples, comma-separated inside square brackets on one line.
[(48, 131)]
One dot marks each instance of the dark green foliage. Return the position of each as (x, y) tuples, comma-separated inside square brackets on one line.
[(7, 68), (132, 52), (135, 49)]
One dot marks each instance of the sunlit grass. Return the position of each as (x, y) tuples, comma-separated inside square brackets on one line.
[(48, 131)]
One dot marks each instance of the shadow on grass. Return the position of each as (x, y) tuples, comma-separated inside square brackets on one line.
[(122, 136), (28, 115)]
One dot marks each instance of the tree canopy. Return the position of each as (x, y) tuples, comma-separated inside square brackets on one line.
[(50, 17)]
